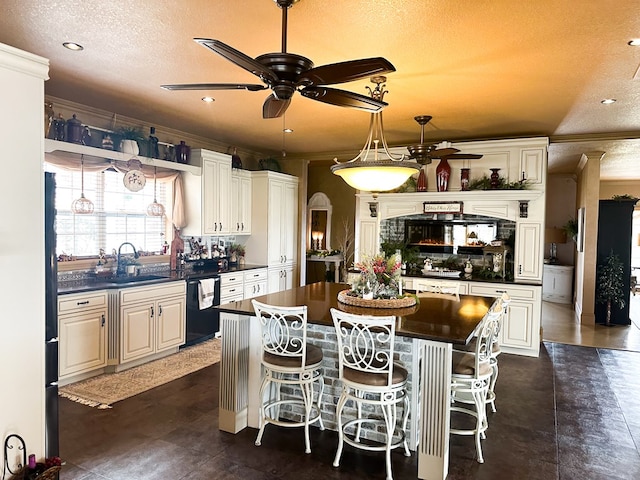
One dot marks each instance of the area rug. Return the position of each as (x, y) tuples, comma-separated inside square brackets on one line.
[(104, 390)]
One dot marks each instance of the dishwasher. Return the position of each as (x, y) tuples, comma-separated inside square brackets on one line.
[(201, 324)]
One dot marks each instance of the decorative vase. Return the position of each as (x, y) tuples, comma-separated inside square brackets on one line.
[(443, 172), (422, 180), (183, 152), (495, 178), (240, 261), (130, 147), (464, 179), (74, 130)]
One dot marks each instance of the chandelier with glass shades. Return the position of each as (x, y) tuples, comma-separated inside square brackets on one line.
[(376, 174)]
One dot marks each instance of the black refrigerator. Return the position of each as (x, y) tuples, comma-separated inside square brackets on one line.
[(51, 319)]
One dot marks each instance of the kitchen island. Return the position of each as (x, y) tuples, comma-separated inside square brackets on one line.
[(433, 326)]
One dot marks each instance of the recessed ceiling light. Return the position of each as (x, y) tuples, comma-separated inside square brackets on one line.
[(76, 47), (608, 101), (287, 130), (208, 99), (634, 42)]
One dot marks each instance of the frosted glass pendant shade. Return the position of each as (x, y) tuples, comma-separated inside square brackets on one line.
[(82, 206), (155, 209)]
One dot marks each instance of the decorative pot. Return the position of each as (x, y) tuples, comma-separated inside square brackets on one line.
[(422, 180), (74, 130), (494, 178), (443, 172), (183, 152), (464, 179), (129, 146)]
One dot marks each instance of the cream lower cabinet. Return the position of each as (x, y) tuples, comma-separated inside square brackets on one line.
[(255, 283), (152, 320), (520, 333), (236, 286), (557, 283), (280, 278), (82, 333)]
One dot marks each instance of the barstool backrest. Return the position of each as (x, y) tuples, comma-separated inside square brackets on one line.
[(365, 343), (284, 330)]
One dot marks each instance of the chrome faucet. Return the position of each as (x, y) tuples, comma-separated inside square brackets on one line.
[(120, 268)]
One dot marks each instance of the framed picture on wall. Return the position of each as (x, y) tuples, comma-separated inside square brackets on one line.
[(580, 235)]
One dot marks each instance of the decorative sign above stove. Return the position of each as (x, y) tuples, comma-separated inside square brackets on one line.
[(442, 207)]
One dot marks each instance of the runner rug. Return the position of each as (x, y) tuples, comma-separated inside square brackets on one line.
[(104, 390)]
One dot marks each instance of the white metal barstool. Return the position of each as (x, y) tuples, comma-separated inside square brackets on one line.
[(470, 379), (370, 376), (289, 360)]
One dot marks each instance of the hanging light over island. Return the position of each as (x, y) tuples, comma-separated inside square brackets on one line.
[(375, 175)]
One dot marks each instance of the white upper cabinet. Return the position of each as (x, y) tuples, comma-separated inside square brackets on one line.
[(208, 198), (241, 202)]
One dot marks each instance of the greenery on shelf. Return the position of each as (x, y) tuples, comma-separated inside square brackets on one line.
[(625, 196), (409, 254), (323, 253), (130, 133), (484, 183)]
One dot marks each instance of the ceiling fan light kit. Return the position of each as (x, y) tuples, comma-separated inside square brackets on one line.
[(377, 175), (286, 73)]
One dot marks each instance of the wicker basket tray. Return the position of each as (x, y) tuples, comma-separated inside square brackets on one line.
[(403, 302)]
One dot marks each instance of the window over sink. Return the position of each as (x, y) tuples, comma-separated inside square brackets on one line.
[(119, 215)]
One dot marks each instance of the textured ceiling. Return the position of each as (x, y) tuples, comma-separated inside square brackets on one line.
[(482, 69)]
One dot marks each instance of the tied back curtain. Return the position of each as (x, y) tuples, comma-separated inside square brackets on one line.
[(91, 164)]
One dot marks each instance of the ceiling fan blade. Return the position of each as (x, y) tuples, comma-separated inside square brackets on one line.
[(443, 152), (274, 107), (463, 156), (215, 86), (345, 71), (342, 98), (239, 58)]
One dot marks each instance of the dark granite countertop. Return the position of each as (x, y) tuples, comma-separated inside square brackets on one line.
[(152, 278)]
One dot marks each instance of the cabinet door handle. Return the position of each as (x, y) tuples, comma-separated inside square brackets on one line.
[(220, 226), (237, 226), (103, 320), (242, 226), (86, 302), (520, 269), (152, 312), (159, 310)]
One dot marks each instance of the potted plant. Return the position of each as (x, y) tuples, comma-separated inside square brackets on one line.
[(130, 136), (610, 284), (236, 253), (571, 228)]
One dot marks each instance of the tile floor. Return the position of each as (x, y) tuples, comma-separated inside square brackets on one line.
[(572, 413)]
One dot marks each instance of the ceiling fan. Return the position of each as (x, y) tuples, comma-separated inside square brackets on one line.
[(424, 153), (285, 73)]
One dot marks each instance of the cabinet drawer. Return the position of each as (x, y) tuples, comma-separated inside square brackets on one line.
[(231, 290), (84, 301), (141, 294), (231, 278), (231, 298), (495, 290), (255, 275)]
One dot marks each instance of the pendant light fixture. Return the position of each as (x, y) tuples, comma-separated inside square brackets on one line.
[(82, 206), (155, 209), (376, 175)]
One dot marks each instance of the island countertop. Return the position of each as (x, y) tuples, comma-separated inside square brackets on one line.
[(442, 318)]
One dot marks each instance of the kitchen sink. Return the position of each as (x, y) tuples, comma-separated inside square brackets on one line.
[(135, 278)]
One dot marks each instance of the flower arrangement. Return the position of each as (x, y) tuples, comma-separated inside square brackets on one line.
[(379, 277)]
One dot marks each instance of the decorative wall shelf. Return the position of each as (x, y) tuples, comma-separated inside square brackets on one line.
[(66, 149)]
